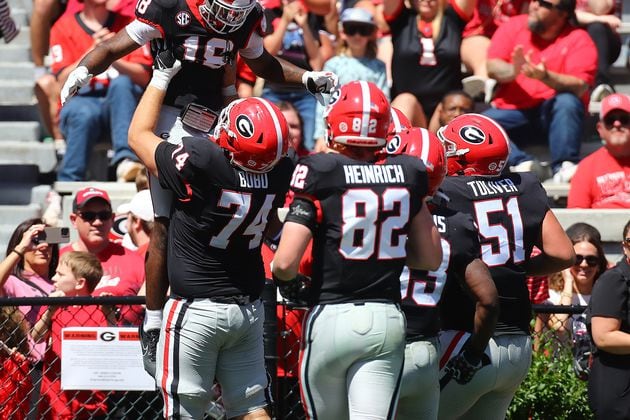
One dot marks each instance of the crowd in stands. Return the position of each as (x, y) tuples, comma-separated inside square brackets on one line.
[(532, 66)]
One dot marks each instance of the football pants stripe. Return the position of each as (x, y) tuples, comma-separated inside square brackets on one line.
[(305, 391)]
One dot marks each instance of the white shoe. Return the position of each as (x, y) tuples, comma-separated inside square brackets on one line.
[(600, 92), (489, 90), (541, 171), (474, 85), (127, 170), (565, 173)]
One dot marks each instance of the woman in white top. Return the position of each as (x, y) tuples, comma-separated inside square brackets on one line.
[(573, 286)]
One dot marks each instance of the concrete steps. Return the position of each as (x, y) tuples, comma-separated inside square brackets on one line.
[(40, 154)]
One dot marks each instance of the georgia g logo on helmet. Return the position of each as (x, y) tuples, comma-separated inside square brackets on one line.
[(472, 134), (244, 126), (393, 144)]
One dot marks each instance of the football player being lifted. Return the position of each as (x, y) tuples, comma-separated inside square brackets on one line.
[(359, 208), (226, 186), (512, 215), (206, 36), (421, 290)]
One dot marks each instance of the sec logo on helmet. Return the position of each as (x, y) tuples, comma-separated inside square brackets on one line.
[(472, 134)]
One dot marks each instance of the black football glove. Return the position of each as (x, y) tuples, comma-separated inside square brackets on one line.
[(296, 290), (463, 367)]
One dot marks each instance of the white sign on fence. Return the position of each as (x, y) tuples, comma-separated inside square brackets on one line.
[(103, 358)]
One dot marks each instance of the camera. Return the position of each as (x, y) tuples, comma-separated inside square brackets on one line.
[(53, 235)]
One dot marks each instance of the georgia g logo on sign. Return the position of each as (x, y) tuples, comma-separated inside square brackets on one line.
[(244, 126), (472, 134)]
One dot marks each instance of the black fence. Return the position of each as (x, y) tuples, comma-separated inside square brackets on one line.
[(24, 395)]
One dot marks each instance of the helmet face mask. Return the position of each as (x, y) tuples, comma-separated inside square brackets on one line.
[(254, 133), (475, 145), (225, 16), (358, 114)]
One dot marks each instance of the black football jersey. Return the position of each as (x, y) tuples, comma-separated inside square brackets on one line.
[(421, 290), (363, 216), (202, 51), (508, 211), (219, 217)]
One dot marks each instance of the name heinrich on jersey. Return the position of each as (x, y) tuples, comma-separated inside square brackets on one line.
[(374, 174), (251, 180), (491, 187)]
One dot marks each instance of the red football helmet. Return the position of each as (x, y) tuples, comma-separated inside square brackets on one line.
[(254, 132), (399, 122), (358, 115), (423, 144), (475, 145), (225, 16)]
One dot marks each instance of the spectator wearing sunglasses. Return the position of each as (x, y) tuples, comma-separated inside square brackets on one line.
[(609, 316), (544, 67), (355, 59), (602, 179), (123, 269), (574, 285)]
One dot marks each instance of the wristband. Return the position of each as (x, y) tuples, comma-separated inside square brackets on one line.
[(21, 254), (229, 90)]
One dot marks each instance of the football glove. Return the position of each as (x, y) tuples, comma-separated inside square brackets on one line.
[(165, 67), (78, 78), (463, 367), (296, 290), (318, 82)]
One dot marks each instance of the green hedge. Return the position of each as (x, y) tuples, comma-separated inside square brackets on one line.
[(551, 390)]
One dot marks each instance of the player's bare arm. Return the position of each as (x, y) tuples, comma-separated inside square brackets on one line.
[(105, 53), (481, 286), (557, 249), (293, 242), (424, 251), (142, 140), (275, 69)]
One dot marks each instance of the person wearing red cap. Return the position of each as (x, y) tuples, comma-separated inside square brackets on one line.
[(602, 179), (123, 269)]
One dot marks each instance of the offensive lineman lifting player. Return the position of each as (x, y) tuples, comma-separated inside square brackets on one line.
[(206, 35), (225, 190)]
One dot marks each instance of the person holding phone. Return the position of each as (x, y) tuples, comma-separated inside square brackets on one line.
[(26, 271)]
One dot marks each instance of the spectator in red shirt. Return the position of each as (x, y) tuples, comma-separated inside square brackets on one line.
[(77, 275), (140, 218), (123, 269), (602, 179), (544, 67), (15, 381), (106, 105)]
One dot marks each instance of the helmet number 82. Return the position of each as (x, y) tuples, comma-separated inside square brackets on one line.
[(357, 124), (365, 231)]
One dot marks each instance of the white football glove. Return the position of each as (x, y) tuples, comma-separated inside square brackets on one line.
[(165, 67), (77, 78), (318, 82)]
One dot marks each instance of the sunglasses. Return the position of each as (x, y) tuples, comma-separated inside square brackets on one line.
[(363, 30), (547, 4), (609, 120), (591, 260), (627, 241), (90, 216)]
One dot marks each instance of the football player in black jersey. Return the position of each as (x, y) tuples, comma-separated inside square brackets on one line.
[(512, 215), (206, 35), (226, 186), (367, 217), (421, 290)]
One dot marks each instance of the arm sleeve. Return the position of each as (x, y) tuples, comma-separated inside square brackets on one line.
[(142, 32)]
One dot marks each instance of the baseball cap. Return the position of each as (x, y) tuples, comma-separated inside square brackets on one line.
[(140, 206), (614, 101), (357, 15), (86, 194)]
